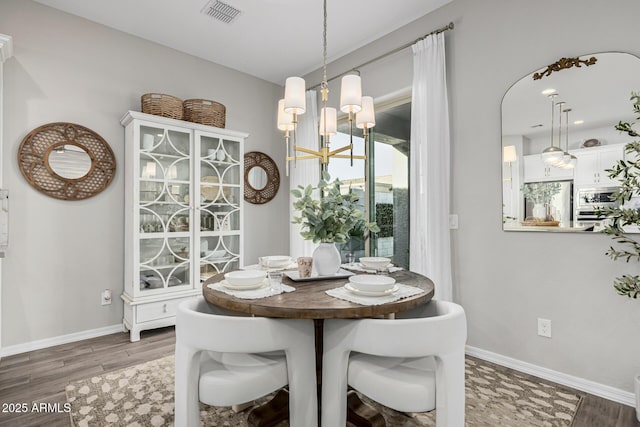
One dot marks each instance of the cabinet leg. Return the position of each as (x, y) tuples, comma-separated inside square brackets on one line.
[(135, 335)]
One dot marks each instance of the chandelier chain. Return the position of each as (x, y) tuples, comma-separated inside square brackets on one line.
[(324, 47)]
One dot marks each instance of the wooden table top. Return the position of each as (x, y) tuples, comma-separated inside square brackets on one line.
[(309, 300)]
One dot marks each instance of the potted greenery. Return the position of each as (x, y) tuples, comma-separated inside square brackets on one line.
[(540, 194), (328, 220), (628, 173)]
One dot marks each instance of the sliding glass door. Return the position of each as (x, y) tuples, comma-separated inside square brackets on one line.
[(387, 191)]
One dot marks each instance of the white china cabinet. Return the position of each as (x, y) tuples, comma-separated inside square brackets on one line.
[(183, 213)]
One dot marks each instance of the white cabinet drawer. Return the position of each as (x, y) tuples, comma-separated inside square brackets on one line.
[(158, 310)]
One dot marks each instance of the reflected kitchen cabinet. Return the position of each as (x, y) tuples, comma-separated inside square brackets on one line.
[(592, 162), (183, 213), (535, 170)]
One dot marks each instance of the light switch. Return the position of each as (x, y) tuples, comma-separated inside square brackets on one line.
[(453, 221)]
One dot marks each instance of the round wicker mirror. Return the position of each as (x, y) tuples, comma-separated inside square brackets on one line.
[(66, 161), (261, 178)]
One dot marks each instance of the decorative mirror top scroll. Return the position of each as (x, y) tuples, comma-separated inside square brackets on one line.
[(261, 178), (558, 139), (66, 161)]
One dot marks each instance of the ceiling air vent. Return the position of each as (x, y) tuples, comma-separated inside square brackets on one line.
[(220, 11)]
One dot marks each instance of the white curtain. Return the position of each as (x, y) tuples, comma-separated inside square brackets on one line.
[(430, 252), (307, 172)]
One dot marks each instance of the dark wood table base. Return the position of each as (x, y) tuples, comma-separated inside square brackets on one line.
[(362, 415), (271, 413)]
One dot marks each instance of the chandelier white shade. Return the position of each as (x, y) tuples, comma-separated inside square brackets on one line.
[(351, 94), (328, 122), (366, 118), (294, 97), (285, 120)]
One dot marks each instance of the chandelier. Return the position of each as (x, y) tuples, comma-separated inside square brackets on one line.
[(359, 109), (556, 156)]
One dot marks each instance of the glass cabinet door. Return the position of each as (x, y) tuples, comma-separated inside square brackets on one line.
[(165, 219), (219, 179)]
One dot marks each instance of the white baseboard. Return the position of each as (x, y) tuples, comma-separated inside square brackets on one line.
[(63, 339), (591, 387)]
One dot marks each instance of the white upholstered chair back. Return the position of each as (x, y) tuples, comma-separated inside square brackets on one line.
[(223, 358), (411, 363)]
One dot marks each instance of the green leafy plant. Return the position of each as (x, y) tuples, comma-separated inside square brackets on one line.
[(540, 192), (333, 216), (628, 173)]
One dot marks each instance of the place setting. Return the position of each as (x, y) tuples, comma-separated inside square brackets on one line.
[(252, 284), (369, 289), (377, 265), (273, 263)]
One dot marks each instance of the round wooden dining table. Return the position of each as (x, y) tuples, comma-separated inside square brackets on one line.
[(309, 301)]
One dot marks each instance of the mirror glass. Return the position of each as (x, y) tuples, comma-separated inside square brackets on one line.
[(257, 177), (567, 110), (261, 178), (69, 161)]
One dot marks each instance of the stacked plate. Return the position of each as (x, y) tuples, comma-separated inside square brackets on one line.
[(375, 262), (275, 261), (371, 285), (245, 279)]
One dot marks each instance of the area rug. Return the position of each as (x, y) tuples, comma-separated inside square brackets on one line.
[(142, 395)]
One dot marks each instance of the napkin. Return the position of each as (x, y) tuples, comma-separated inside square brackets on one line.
[(404, 291), (262, 292), (359, 267)]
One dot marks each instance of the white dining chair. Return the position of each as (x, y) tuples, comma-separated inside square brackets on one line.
[(413, 363), (224, 359)]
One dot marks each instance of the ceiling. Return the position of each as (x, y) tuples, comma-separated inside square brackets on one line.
[(269, 39)]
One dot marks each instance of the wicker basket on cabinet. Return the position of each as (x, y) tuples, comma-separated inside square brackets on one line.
[(205, 112), (163, 105)]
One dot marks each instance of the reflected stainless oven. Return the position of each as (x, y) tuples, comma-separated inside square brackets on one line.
[(589, 199)]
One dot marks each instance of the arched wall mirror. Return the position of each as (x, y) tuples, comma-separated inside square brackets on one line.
[(261, 178), (66, 161), (558, 137)]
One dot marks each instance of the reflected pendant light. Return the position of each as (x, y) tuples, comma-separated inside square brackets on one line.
[(552, 155)]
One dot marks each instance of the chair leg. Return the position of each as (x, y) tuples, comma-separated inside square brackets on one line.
[(450, 390), (334, 387), (187, 402)]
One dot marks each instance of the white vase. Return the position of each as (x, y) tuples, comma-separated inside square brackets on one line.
[(326, 259), (539, 212)]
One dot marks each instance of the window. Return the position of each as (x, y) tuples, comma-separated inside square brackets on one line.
[(388, 191)]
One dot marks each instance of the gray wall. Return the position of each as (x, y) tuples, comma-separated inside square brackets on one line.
[(506, 280), (62, 254)]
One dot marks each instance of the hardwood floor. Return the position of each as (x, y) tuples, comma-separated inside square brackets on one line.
[(41, 376)]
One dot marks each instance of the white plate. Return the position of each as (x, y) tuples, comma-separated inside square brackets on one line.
[(228, 285), (370, 293)]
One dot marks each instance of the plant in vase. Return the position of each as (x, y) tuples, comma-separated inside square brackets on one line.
[(540, 194), (328, 220)]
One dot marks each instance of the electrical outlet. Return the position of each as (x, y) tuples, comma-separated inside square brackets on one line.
[(106, 297), (544, 327)]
